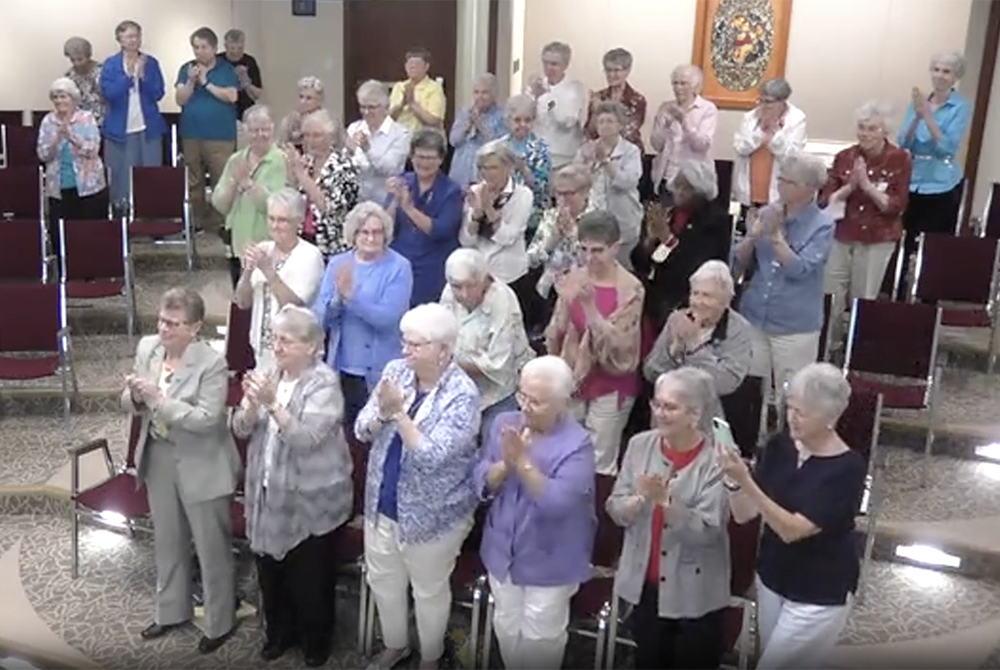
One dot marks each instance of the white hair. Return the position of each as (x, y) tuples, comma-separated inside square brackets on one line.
[(717, 272), (951, 59), (300, 323), (520, 104), (322, 119), (578, 174), (361, 213), (464, 265), (822, 388), (804, 169), (373, 92), (876, 110), (311, 84), (700, 175), (777, 88), (487, 79), (691, 69), (695, 390), (291, 201), (65, 85), (496, 149), (258, 114), (561, 49), (433, 322), (555, 371)]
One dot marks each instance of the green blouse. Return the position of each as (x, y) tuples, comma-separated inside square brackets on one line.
[(246, 218)]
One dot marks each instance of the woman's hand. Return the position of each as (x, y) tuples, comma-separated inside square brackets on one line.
[(261, 389), (390, 398), (343, 278), (733, 467), (919, 101), (564, 222), (513, 445), (859, 174), (653, 488)]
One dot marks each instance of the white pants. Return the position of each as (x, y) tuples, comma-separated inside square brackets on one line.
[(796, 635), (605, 421), (392, 566), (854, 271), (530, 623), (781, 356)]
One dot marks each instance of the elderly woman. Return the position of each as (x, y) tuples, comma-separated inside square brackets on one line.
[(532, 155), (595, 328), (671, 501), (769, 133), (132, 85), (85, 72), (536, 474), (188, 463), (422, 420), (69, 144), (807, 489), (869, 187), (250, 176), (616, 164), (328, 176), (786, 249), (380, 144), (496, 216), (474, 126), (492, 345), (298, 486), (427, 208), (617, 68), (694, 230), (683, 128), (284, 270), (561, 105), (418, 102), (363, 294), (310, 100), (932, 132)]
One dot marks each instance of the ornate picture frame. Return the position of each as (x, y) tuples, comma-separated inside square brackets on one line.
[(739, 44)]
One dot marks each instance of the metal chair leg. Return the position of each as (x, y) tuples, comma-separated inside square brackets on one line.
[(484, 661)]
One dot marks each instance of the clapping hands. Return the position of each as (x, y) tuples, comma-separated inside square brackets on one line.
[(653, 488), (390, 398), (144, 390)]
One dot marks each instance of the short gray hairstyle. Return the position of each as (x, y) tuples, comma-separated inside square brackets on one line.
[(235, 36), (776, 88), (496, 149), (78, 46), (952, 59), (717, 272), (695, 390), (324, 120), (373, 92), (881, 110), (576, 173), (300, 323), (822, 388), (465, 265), (555, 371), (804, 169), (700, 176), (310, 84), (487, 79), (65, 85), (598, 225), (425, 138), (612, 107), (291, 200), (258, 113), (618, 58), (691, 69), (361, 213), (561, 49), (433, 322), (520, 105), (125, 25)]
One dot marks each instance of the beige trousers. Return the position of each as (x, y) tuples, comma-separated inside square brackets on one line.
[(605, 419), (853, 271)]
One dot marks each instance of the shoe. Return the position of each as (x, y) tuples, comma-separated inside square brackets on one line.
[(388, 664), (315, 659), (206, 645), (274, 649), (155, 630)]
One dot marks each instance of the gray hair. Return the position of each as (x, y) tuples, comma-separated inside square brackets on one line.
[(373, 92), (560, 49), (310, 84), (464, 265), (804, 169), (496, 149), (717, 272), (695, 390), (700, 176), (822, 388), (598, 226), (361, 213), (691, 69), (429, 139), (326, 123), (184, 299), (125, 25), (291, 200), (777, 88), (618, 58), (235, 36), (65, 85), (576, 173), (300, 323), (554, 370), (433, 322), (521, 104), (951, 59), (78, 46), (610, 107), (258, 113), (882, 110), (487, 79)]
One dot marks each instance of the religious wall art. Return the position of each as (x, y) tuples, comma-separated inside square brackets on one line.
[(739, 44)]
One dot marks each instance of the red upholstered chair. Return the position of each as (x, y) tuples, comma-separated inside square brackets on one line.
[(115, 501), (23, 254), (960, 271), (740, 616), (823, 352), (21, 193), (990, 224), (11, 117), (239, 353), (159, 207), (95, 263), (892, 350), (20, 146)]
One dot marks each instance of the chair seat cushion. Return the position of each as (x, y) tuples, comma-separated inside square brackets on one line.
[(99, 288), (155, 228), (732, 626), (894, 396), (28, 368), (118, 494), (235, 394), (590, 599), (965, 318)]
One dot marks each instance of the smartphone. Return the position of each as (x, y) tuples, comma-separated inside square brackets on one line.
[(723, 434)]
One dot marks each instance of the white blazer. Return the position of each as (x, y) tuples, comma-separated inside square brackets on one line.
[(790, 139)]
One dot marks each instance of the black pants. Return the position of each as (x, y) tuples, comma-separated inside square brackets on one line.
[(235, 270), (537, 311), (925, 213), (297, 594), (355, 390), (684, 644), (71, 206)]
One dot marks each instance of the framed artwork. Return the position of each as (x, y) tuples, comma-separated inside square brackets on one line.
[(303, 7), (739, 44)]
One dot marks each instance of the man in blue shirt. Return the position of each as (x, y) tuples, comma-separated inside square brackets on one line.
[(206, 91), (786, 248)]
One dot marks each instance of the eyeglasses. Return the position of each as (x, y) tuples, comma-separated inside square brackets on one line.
[(527, 401), (425, 158), (412, 345), (170, 324), (371, 233)]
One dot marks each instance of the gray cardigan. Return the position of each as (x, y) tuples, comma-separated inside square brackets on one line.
[(309, 490), (694, 559)]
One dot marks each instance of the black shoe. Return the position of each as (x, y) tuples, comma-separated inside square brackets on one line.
[(209, 644), (315, 659), (274, 649), (155, 630)]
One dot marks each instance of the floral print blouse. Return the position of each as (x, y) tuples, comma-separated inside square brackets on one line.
[(535, 153), (555, 252), (340, 181), (89, 84), (86, 154)]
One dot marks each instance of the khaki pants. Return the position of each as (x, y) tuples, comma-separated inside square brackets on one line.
[(780, 357), (853, 271), (205, 156), (605, 419)]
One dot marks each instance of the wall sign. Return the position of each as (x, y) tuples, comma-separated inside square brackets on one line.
[(303, 7)]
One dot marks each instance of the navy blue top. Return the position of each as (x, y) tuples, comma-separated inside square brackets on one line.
[(388, 502), (204, 116)]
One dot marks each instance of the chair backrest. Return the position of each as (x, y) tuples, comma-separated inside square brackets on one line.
[(743, 408), (30, 318), (92, 249), (859, 426), (134, 432), (158, 193), (239, 353), (893, 338), (991, 215), (21, 192), (823, 352), (11, 117), (20, 146), (37, 116), (608, 540), (744, 539), (22, 252), (955, 269)]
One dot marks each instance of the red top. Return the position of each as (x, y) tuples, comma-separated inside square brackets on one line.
[(679, 221), (678, 460), (598, 381)]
